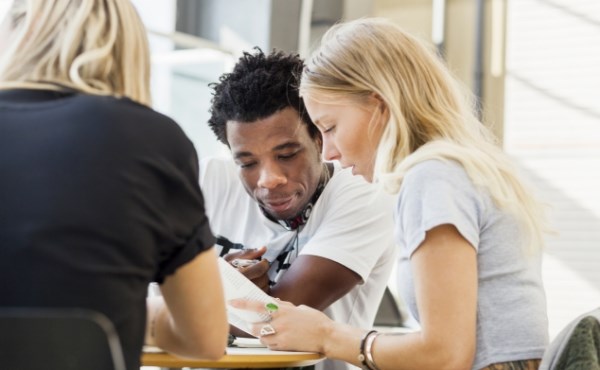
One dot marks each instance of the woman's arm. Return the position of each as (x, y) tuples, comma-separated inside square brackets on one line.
[(445, 275), (444, 270), (193, 322)]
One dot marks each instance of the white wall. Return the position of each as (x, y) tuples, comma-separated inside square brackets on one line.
[(552, 128)]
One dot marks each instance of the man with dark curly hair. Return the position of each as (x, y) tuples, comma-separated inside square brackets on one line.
[(322, 237)]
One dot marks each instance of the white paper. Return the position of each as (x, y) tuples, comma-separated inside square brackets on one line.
[(241, 342), (236, 286), (261, 351)]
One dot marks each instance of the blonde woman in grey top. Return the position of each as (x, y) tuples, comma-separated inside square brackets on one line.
[(469, 230)]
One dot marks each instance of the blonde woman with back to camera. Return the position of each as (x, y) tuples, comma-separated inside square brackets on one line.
[(469, 231), (99, 192)]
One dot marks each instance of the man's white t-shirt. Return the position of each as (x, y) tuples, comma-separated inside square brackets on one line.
[(351, 223)]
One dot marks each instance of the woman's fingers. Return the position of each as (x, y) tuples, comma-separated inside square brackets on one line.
[(258, 306), (248, 305)]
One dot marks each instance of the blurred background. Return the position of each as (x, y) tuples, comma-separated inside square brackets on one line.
[(533, 64)]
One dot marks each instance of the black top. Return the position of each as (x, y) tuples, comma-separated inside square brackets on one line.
[(98, 197)]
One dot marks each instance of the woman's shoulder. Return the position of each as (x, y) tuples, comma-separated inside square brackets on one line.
[(130, 127), (433, 169), (127, 116), (122, 109)]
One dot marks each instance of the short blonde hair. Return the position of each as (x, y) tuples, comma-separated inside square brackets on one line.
[(94, 46), (431, 114)]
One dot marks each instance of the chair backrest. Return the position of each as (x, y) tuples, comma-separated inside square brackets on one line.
[(58, 339), (577, 346)]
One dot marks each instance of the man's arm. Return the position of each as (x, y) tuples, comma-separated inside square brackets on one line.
[(311, 280), (353, 238), (315, 281)]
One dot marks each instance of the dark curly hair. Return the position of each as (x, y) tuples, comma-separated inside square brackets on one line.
[(259, 86)]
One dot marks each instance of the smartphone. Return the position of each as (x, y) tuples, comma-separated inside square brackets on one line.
[(239, 262)]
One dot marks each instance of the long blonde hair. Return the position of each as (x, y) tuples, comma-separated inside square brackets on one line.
[(96, 47), (430, 115)]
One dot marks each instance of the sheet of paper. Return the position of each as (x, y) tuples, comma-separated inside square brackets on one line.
[(247, 343), (152, 349), (248, 349), (236, 285), (260, 351)]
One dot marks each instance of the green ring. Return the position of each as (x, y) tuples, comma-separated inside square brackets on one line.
[(271, 307)]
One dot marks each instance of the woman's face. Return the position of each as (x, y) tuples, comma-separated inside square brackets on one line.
[(351, 132)]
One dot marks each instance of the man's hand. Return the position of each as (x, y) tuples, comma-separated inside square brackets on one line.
[(255, 272)]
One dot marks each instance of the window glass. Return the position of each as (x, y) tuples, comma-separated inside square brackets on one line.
[(181, 73)]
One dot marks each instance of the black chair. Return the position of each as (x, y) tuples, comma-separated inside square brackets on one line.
[(58, 339)]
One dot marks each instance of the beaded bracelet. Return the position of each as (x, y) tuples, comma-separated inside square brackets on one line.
[(364, 355)]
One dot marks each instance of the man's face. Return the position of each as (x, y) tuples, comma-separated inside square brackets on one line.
[(279, 164)]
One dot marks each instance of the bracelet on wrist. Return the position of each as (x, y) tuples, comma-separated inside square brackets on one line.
[(368, 354), (365, 342)]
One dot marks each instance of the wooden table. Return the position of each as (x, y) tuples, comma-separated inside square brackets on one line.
[(237, 358)]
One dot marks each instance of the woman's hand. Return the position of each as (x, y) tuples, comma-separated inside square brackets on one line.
[(296, 328)]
